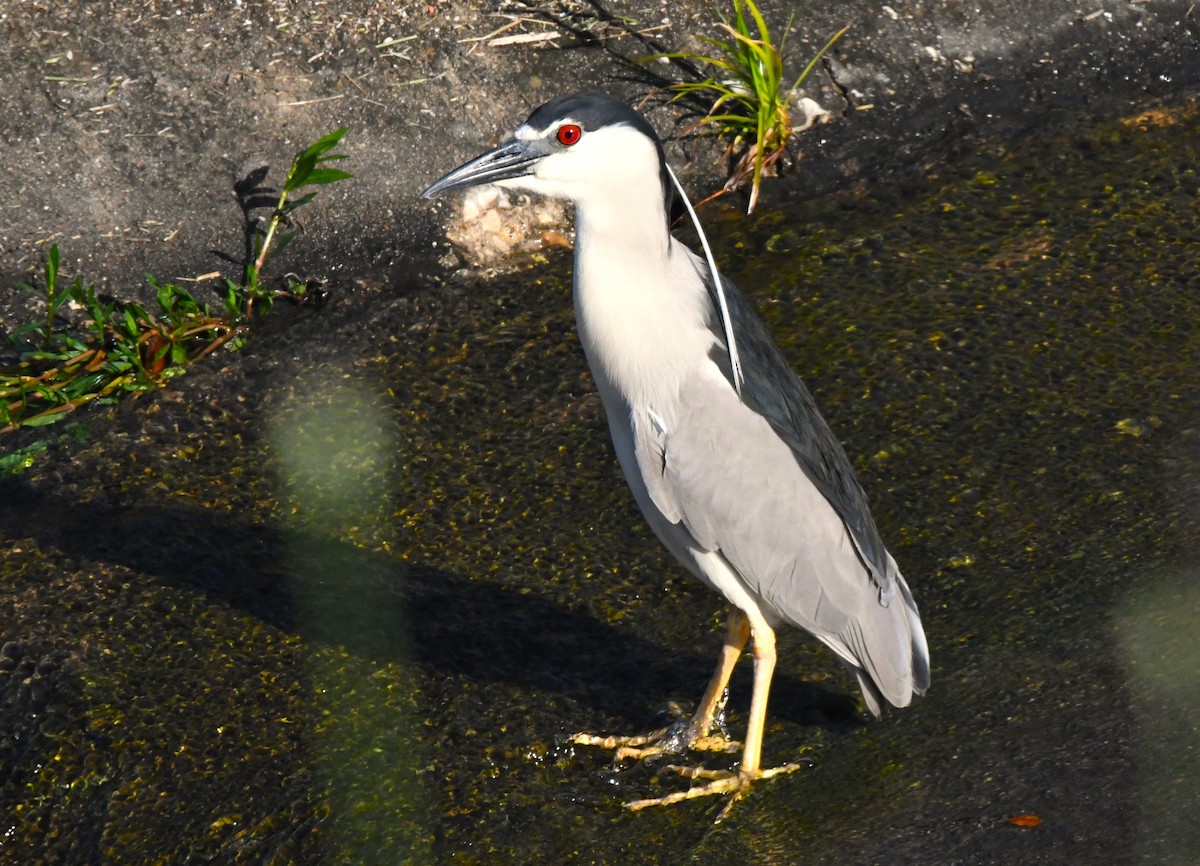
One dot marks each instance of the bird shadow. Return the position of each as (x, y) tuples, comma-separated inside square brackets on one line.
[(377, 606)]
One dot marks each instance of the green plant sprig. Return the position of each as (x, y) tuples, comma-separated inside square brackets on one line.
[(748, 102), (126, 347), (305, 171)]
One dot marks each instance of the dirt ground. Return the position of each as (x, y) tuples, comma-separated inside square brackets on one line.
[(127, 123)]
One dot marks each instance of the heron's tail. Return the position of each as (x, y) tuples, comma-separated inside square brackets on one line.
[(891, 655)]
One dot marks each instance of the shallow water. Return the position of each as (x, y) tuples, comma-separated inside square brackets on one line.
[(341, 599)]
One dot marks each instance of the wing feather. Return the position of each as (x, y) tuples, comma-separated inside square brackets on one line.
[(737, 488), (774, 391)]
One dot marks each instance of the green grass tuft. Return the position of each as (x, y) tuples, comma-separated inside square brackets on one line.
[(748, 102)]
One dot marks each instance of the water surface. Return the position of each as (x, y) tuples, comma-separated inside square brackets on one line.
[(340, 599)]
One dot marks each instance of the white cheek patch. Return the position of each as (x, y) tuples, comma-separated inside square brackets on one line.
[(601, 163), (526, 133)]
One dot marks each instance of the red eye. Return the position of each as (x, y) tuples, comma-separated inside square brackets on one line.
[(568, 134)]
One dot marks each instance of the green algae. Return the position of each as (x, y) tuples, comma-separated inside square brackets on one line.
[(341, 604)]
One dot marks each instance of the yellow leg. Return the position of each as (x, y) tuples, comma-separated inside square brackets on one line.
[(764, 668), (724, 782), (697, 734), (737, 633)]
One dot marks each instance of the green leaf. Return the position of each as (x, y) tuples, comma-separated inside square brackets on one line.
[(324, 143), (747, 104), (44, 418), (328, 175), (233, 298), (283, 243), (301, 169), (184, 298), (759, 21), (163, 294), (51, 268), (304, 166), (300, 202), (76, 346), (88, 383), (22, 458), (817, 58), (32, 328)]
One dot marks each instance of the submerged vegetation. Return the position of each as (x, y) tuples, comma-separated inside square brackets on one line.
[(748, 102), (124, 347)]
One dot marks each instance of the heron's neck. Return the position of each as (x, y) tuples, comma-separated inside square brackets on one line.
[(639, 305)]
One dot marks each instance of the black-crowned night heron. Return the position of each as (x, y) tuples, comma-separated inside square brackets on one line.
[(721, 443)]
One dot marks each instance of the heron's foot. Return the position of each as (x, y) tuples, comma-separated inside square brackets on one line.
[(672, 740), (734, 783)]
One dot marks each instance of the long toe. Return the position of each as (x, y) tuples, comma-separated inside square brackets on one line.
[(618, 742), (735, 784), (636, 747), (675, 739)]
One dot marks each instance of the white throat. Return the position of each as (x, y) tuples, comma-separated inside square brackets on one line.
[(640, 305)]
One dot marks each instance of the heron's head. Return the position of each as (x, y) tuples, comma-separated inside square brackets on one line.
[(587, 148)]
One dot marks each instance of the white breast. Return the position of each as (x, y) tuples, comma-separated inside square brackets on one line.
[(642, 319)]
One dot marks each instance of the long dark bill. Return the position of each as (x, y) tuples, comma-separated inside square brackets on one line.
[(511, 159)]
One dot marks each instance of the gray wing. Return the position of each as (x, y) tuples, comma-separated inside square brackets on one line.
[(775, 392), (720, 471)]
